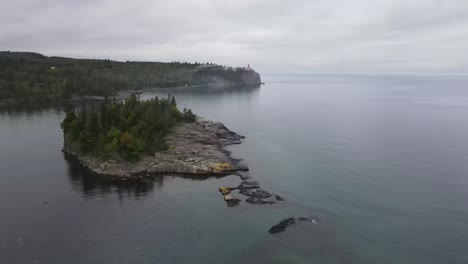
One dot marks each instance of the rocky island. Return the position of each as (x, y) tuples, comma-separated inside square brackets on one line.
[(138, 138)]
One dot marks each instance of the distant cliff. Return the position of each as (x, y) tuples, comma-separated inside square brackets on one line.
[(215, 74), (28, 76), (250, 77)]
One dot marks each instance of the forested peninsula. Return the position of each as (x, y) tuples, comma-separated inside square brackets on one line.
[(28, 76), (124, 139)]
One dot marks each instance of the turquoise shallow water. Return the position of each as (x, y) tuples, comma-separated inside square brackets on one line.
[(381, 160)]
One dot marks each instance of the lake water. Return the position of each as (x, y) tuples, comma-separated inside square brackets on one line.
[(382, 161)]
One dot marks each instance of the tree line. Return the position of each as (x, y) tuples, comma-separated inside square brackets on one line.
[(28, 76)]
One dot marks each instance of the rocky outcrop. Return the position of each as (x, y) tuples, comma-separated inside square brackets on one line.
[(193, 148), (250, 77)]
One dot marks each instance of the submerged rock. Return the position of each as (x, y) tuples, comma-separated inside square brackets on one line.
[(244, 175), (258, 200), (308, 219), (246, 191), (282, 225), (259, 193), (249, 185), (279, 198), (246, 187)]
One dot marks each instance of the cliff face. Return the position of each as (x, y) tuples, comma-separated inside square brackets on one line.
[(222, 75), (251, 77)]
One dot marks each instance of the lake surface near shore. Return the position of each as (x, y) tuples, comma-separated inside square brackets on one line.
[(382, 161)]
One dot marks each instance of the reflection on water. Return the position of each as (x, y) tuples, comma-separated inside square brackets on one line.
[(209, 89), (29, 109), (91, 184)]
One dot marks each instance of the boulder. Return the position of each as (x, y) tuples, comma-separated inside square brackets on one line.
[(244, 175), (224, 190), (249, 185), (259, 193), (246, 191), (231, 200)]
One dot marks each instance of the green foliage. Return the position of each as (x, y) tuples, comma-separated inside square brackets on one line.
[(31, 76), (125, 130), (188, 116)]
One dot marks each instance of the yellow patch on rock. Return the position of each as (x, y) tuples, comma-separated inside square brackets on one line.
[(222, 166), (225, 190)]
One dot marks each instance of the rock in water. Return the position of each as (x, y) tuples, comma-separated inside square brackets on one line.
[(246, 192), (259, 193), (279, 198), (249, 185), (256, 196), (231, 201), (282, 225), (257, 200), (224, 190), (244, 175)]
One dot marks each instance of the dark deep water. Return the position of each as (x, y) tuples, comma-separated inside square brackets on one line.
[(381, 160)]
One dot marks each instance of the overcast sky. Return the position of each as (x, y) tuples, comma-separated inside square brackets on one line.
[(345, 36)]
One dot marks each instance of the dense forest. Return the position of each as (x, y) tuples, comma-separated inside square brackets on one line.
[(26, 76), (123, 129)]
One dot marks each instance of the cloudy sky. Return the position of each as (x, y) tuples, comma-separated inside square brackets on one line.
[(345, 36)]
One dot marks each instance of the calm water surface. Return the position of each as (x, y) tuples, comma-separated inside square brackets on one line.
[(382, 161)]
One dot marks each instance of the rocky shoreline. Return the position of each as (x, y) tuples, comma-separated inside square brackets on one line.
[(196, 148)]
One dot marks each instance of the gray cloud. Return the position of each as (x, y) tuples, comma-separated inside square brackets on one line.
[(353, 36)]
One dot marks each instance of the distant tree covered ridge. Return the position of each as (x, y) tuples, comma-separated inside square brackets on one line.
[(124, 130), (32, 76)]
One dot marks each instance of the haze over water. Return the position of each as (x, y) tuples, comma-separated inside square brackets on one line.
[(382, 161)]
